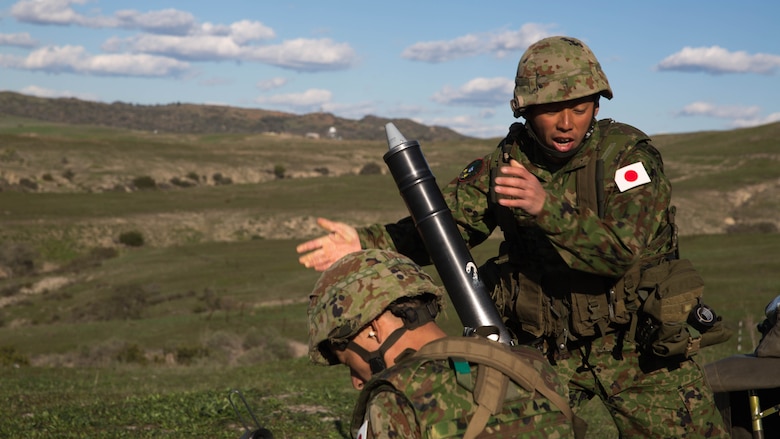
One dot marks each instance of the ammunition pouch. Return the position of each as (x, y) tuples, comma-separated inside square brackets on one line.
[(519, 299), (597, 309), (673, 321)]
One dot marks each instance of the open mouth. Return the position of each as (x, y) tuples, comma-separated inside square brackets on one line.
[(563, 143)]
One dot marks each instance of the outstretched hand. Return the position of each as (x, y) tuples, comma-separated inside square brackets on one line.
[(322, 252), (520, 189)]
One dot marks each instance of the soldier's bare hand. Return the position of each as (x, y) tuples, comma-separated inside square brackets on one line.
[(520, 189), (322, 252)]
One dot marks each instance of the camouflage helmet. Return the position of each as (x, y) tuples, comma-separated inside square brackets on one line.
[(557, 69), (355, 290)]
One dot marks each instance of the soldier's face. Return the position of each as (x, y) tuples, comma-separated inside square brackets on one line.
[(562, 125), (359, 369)]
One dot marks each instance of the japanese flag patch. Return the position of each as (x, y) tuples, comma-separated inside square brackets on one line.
[(631, 176), (363, 432)]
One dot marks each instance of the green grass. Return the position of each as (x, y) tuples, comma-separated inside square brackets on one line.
[(143, 402), (177, 401), (298, 196), (185, 291)]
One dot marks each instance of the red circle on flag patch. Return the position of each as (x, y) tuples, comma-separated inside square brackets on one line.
[(631, 175)]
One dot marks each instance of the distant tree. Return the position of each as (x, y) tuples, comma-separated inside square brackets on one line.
[(279, 171), (18, 257), (371, 169), (221, 179), (133, 238), (144, 182), (28, 184)]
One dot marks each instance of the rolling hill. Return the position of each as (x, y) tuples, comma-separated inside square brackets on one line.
[(184, 118)]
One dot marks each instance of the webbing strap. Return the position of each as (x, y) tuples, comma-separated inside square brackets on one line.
[(590, 179), (495, 355), (489, 394)]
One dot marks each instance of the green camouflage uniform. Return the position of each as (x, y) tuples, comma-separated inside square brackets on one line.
[(565, 280), (551, 266), (568, 255), (421, 396)]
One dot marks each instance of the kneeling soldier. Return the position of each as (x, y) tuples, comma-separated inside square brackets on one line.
[(374, 311)]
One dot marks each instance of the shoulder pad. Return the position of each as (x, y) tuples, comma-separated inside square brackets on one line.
[(611, 128)]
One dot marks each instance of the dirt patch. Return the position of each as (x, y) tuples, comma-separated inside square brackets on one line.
[(298, 349), (47, 284)]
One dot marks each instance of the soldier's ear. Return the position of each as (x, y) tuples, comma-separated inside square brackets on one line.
[(374, 331)]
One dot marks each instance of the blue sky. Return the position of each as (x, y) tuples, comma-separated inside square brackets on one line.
[(675, 66)]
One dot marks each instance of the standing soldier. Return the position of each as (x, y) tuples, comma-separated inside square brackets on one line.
[(584, 207), (374, 311)]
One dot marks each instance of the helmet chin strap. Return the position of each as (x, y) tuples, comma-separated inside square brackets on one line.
[(412, 318), (376, 359), (554, 153)]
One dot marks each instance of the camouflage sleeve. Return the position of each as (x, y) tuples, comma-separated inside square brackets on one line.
[(467, 198), (390, 416), (610, 246), (401, 237)]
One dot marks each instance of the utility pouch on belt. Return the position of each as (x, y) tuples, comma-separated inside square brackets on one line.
[(672, 319), (514, 294)]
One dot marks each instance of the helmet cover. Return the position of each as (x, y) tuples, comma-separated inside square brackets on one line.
[(557, 69), (355, 290)]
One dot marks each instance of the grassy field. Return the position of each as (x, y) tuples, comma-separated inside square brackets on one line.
[(100, 339), (111, 395)]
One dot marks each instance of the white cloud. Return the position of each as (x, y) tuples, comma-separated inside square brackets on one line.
[(75, 59), (744, 123), (46, 11), (708, 109), (166, 21), (42, 92), (176, 34), (475, 44), (300, 54), (310, 100), (717, 60), (469, 126), (133, 65), (304, 54), (739, 116), (272, 83), (244, 31), (518, 40), (482, 92), (56, 12), (440, 51), (193, 48), (19, 40)]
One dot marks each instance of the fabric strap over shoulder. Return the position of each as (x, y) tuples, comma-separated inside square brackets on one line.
[(490, 388)]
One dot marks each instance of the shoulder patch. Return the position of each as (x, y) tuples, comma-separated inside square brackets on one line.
[(631, 176), (472, 171)]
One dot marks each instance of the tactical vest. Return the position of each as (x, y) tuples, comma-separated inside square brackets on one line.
[(574, 304), (494, 389)]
